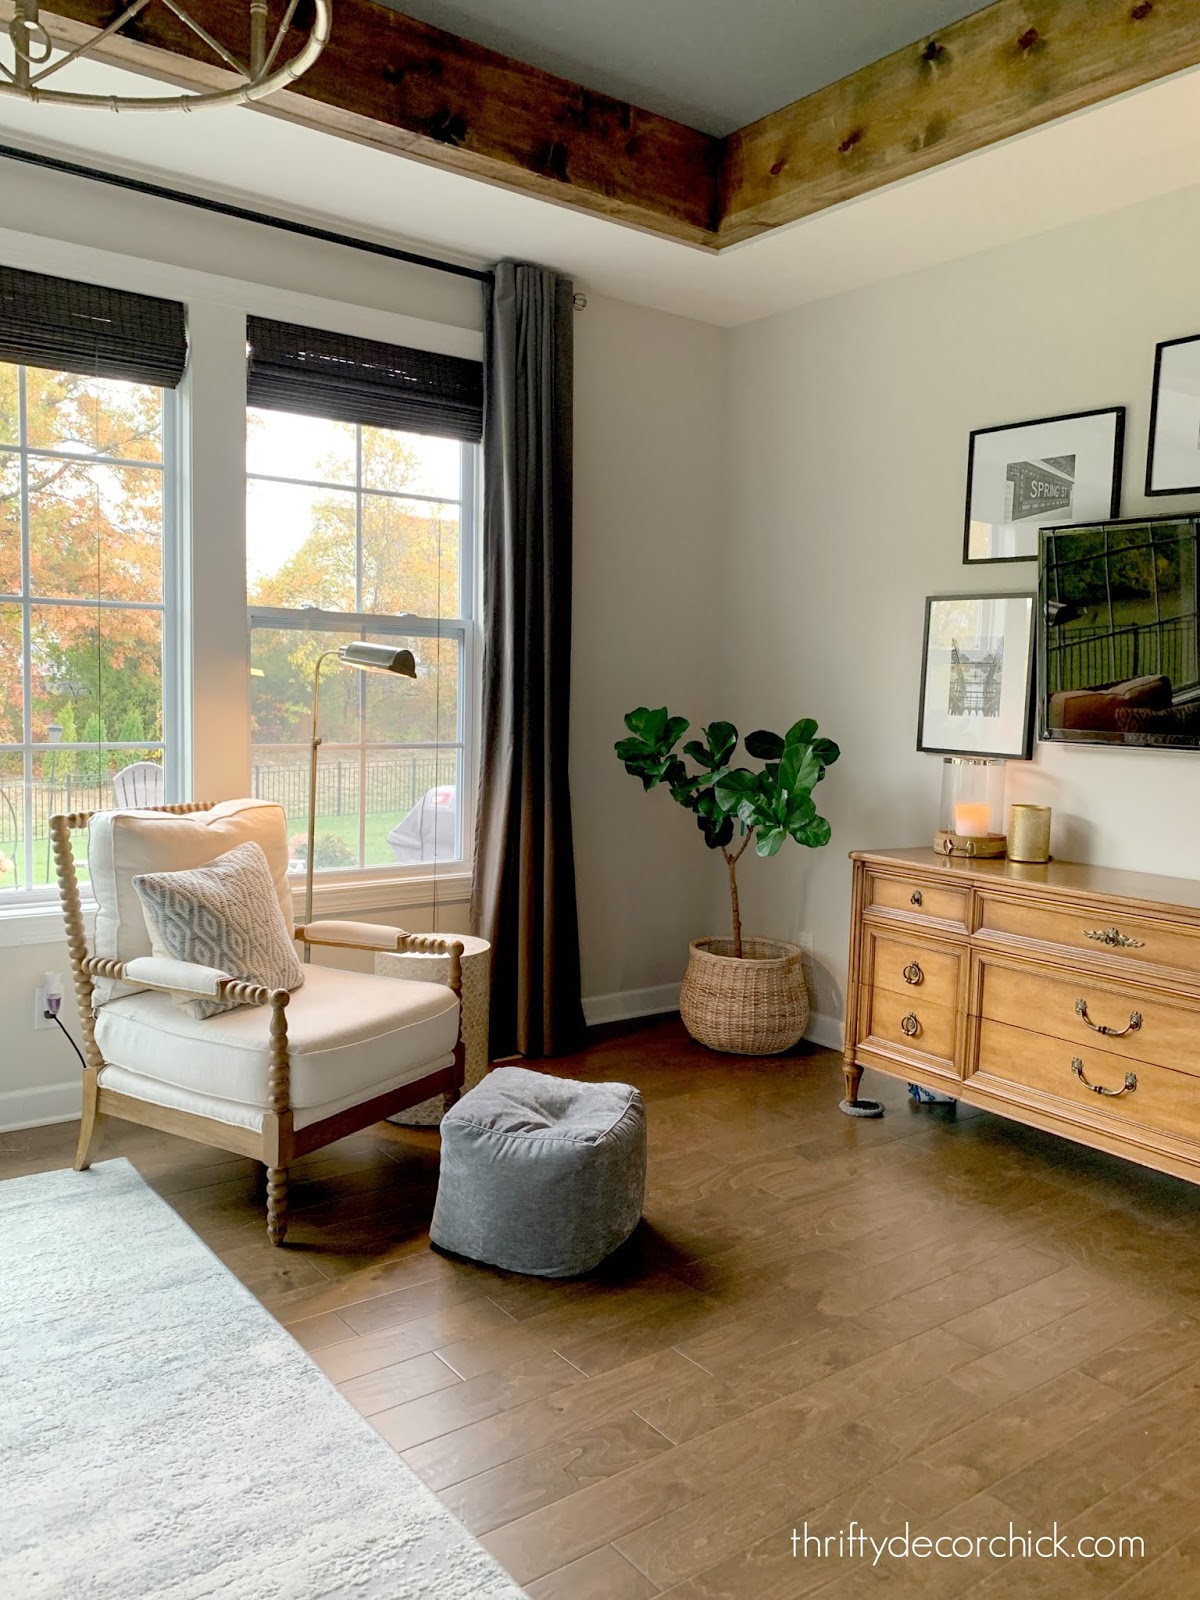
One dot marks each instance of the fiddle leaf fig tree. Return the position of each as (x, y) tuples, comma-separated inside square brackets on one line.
[(765, 806)]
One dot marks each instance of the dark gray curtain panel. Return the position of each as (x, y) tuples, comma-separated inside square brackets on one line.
[(524, 886)]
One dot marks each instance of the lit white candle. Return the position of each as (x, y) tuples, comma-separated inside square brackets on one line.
[(971, 819)]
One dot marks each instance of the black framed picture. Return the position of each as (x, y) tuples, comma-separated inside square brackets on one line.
[(977, 676), (1023, 476), (1173, 455)]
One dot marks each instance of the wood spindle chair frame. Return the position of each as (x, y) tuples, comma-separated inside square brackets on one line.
[(278, 1142)]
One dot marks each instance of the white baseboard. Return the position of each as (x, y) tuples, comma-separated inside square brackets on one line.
[(37, 1108), (627, 1003)]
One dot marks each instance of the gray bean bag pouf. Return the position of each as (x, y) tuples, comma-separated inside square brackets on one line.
[(540, 1175)]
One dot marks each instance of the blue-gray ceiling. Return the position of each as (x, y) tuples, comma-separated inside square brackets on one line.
[(716, 64)]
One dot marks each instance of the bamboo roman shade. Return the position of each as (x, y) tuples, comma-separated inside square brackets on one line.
[(349, 379), (88, 328)]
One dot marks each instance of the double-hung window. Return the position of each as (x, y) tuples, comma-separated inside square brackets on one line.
[(361, 505), (88, 650)]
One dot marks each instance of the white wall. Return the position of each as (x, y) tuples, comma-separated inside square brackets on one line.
[(849, 424), (650, 441), (173, 244)]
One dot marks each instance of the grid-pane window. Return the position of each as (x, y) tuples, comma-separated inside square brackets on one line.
[(82, 615), (358, 532)]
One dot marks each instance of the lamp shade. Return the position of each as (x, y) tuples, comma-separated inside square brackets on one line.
[(369, 657)]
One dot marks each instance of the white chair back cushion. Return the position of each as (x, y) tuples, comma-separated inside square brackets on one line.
[(123, 844)]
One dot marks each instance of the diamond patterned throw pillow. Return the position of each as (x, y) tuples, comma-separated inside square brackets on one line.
[(225, 915)]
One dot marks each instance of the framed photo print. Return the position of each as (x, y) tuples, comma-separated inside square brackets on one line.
[(1030, 475), (977, 676), (1173, 458)]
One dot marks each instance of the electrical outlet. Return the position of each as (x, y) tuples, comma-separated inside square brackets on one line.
[(40, 1019), (805, 941), (51, 985)]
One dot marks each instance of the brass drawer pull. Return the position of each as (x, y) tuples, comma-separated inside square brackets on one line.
[(916, 898), (1114, 938), (909, 1026), (1134, 1023), (913, 973), (1098, 1088)]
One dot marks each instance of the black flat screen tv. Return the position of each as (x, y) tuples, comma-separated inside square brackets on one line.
[(1117, 633)]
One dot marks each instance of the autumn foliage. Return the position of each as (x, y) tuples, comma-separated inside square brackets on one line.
[(95, 532)]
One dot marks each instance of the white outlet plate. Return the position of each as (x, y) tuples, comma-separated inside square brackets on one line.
[(805, 941), (40, 1020)]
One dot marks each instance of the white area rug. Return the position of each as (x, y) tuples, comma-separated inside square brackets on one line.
[(162, 1438)]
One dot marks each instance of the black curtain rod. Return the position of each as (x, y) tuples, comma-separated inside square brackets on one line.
[(158, 191)]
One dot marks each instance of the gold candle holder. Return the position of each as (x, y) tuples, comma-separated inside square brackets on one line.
[(1029, 833)]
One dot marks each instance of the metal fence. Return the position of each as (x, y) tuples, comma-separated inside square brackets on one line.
[(1087, 659), (391, 783)]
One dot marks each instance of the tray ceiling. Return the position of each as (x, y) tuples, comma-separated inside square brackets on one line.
[(714, 64)]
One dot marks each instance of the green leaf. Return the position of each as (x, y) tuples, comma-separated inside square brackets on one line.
[(800, 732), (717, 831), (801, 808), (769, 842), (753, 813), (764, 746), (825, 751), (733, 786), (720, 741), (799, 769), (647, 724), (674, 731), (814, 834), (630, 749)]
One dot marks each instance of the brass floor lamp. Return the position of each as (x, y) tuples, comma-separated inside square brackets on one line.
[(365, 657)]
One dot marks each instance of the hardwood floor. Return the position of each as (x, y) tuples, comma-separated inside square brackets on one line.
[(940, 1319)]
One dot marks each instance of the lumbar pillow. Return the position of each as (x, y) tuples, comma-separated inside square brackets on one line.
[(225, 915)]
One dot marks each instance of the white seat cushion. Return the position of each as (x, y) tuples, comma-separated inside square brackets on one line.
[(348, 1032), (236, 1115), (124, 843)]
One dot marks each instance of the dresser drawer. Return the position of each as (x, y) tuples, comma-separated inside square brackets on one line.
[(910, 965), (1076, 1009), (918, 1027), (1135, 1092), (1111, 932), (919, 898)]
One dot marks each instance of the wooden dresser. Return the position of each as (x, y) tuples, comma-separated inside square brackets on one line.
[(1065, 996)]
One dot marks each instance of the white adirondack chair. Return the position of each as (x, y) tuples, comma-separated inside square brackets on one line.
[(138, 785)]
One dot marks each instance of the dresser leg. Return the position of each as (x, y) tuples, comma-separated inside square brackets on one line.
[(852, 1105), (852, 1073)]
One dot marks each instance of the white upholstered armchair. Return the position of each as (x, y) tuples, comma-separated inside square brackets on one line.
[(284, 1072)]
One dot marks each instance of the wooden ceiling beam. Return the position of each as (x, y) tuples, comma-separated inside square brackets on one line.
[(390, 81), (1004, 70)]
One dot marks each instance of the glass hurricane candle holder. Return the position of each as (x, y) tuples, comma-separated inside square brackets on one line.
[(971, 821)]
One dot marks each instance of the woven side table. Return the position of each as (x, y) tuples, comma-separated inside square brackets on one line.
[(476, 981)]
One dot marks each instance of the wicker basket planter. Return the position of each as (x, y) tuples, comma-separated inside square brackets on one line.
[(755, 1005)]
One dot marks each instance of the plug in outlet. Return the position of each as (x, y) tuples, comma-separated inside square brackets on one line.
[(47, 997)]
